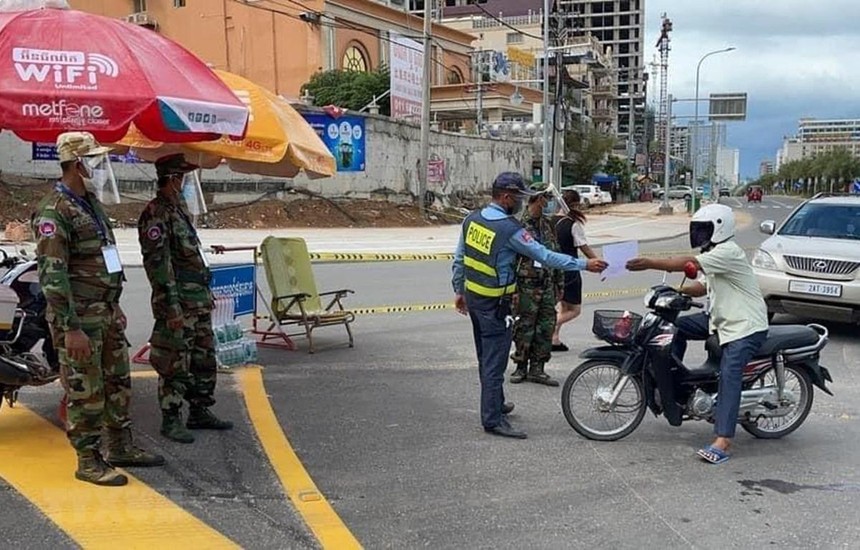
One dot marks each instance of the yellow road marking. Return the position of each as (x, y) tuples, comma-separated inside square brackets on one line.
[(318, 514), (36, 459)]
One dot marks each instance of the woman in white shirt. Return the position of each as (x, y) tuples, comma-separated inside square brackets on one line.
[(570, 231)]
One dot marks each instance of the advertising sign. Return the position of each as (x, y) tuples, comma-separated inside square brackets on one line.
[(732, 106), (407, 76), (344, 137), (48, 151), (238, 282)]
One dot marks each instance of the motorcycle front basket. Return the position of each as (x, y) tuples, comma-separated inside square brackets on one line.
[(616, 327)]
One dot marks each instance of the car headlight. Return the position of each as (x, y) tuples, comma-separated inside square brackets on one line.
[(763, 260)]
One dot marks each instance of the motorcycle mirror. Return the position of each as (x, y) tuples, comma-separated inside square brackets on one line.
[(691, 271)]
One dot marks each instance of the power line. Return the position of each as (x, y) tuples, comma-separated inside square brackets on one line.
[(339, 24)]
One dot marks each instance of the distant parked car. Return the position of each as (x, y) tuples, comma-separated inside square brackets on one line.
[(589, 195), (700, 190), (679, 192), (724, 192), (607, 197)]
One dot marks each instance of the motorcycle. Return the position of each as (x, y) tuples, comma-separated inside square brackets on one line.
[(605, 398), (22, 326)]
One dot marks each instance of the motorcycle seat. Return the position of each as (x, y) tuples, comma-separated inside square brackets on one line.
[(782, 337), (779, 337)]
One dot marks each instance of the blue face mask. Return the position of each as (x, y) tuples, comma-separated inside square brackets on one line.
[(551, 208)]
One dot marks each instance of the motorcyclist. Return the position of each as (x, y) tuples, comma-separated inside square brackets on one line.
[(738, 312)]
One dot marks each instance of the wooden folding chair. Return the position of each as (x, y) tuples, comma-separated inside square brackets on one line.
[(295, 299)]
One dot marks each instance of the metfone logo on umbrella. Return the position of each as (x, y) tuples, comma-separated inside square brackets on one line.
[(68, 70)]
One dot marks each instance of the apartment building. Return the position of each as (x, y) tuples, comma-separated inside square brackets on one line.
[(816, 136), (727, 167), (619, 24), (517, 36), (766, 167)]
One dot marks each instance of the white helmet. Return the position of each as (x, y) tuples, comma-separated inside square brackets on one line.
[(712, 224)]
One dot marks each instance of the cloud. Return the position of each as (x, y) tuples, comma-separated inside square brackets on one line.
[(793, 58)]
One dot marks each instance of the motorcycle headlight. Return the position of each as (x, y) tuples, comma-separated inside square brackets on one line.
[(763, 260)]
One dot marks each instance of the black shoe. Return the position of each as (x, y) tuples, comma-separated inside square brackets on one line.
[(505, 430), (518, 376), (507, 408), (560, 347), (543, 379)]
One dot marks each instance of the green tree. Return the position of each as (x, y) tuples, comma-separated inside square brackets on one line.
[(350, 89), (585, 148), (621, 169)]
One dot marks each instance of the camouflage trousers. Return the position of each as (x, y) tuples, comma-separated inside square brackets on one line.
[(98, 389), (185, 361), (533, 330)]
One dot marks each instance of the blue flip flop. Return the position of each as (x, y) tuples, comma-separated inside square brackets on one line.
[(714, 455)]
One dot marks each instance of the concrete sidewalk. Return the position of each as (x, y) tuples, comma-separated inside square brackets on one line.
[(636, 221)]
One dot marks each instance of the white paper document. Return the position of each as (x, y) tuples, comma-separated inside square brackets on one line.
[(617, 255)]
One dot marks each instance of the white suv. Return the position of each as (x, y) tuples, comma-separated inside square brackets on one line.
[(589, 195), (810, 266)]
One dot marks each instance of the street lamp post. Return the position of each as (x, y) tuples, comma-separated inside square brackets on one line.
[(545, 117), (696, 116)]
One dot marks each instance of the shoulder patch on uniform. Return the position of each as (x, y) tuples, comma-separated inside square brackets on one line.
[(526, 237), (154, 233), (47, 228)]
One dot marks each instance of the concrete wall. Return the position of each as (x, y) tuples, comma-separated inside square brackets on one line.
[(393, 150)]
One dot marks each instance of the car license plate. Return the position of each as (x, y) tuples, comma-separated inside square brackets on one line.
[(818, 289)]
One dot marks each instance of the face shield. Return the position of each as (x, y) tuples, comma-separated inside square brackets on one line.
[(701, 234), (101, 181), (192, 194), (558, 201)]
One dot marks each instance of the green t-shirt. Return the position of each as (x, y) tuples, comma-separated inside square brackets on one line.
[(737, 306)]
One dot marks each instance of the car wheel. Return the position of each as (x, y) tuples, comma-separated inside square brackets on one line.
[(586, 203), (687, 197)]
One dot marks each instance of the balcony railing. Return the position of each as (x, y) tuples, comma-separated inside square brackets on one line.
[(513, 20)]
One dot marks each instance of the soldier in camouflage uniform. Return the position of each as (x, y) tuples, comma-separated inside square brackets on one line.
[(82, 279), (182, 343), (537, 290)]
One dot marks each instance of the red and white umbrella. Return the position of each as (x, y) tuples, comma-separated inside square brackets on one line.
[(65, 70)]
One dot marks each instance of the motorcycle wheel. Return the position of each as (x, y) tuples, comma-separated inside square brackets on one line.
[(584, 396), (797, 381)]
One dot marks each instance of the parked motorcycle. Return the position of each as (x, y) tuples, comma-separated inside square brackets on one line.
[(22, 326), (605, 398)]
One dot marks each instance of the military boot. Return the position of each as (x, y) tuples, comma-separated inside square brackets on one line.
[(173, 428), (92, 468), (538, 376), (519, 374), (121, 451), (201, 418)]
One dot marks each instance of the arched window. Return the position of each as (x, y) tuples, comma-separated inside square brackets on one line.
[(355, 58), (455, 76)]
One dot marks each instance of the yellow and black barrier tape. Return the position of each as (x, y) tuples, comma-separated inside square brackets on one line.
[(376, 257), (410, 308)]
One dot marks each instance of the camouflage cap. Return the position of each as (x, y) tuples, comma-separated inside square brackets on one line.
[(74, 145), (512, 181), (173, 164)]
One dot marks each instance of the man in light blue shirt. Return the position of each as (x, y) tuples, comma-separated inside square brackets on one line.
[(484, 281)]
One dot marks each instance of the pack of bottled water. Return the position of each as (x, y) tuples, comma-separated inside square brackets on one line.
[(232, 348)]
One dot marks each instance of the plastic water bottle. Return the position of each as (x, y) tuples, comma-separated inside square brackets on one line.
[(624, 326), (250, 348)]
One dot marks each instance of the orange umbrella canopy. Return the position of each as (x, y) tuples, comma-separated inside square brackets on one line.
[(278, 142)]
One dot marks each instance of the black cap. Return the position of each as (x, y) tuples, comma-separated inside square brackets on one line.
[(173, 164), (512, 181)]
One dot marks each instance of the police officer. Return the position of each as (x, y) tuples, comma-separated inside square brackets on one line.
[(182, 343), (484, 282), (538, 287), (81, 277)]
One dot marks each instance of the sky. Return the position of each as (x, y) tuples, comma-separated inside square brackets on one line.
[(794, 58)]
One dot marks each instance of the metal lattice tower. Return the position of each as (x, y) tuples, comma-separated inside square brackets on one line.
[(663, 105)]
